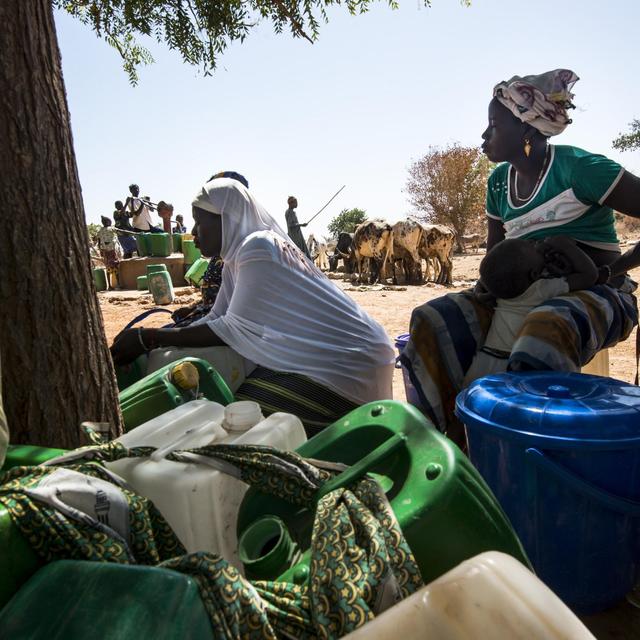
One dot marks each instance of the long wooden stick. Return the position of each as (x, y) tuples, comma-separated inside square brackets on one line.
[(328, 203)]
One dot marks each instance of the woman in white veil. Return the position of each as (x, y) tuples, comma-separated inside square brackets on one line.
[(318, 354)]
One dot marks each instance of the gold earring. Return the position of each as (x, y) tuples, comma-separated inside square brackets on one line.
[(527, 147)]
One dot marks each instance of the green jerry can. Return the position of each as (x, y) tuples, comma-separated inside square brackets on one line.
[(176, 241), (159, 283), (168, 387), (141, 283), (100, 279), (196, 271), (444, 508), (17, 560), (191, 252), (160, 244), (142, 244), (127, 374), (75, 600)]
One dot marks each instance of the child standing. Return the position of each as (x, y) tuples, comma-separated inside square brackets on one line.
[(107, 238)]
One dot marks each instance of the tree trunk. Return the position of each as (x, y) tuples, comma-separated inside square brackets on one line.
[(56, 364)]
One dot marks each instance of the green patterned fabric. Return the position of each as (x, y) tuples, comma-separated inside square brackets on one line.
[(360, 562)]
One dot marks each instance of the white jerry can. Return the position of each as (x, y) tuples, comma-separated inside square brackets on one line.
[(200, 502), (491, 596)]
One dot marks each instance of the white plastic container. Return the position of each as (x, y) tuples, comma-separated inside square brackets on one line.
[(490, 596), (198, 501)]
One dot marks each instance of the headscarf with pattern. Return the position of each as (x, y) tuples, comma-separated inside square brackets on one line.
[(541, 101)]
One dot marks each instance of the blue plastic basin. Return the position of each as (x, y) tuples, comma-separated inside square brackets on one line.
[(561, 452)]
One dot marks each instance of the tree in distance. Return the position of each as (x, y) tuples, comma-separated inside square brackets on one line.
[(347, 220), (448, 186)]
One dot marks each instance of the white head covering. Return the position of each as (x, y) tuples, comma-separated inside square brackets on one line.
[(540, 101), (276, 309), (241, 213)]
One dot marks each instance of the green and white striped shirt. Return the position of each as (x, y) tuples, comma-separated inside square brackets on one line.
[(568, 200)]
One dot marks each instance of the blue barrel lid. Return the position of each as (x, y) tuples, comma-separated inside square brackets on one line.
[(553, 409)]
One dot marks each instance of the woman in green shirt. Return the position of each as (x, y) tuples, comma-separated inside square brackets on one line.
[(539, 190)]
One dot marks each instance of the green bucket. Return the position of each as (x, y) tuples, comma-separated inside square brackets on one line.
[(196, 271), (100, 279)]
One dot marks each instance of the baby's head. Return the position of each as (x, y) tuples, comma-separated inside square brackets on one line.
[(511, 267)]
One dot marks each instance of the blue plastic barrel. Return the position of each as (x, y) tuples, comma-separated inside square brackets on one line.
[(561, 452), (409, 389)]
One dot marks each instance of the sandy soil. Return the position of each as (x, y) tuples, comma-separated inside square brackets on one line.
[(391, 307)]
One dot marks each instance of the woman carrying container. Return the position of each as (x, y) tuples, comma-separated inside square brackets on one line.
[(539, 190), (318, 355)]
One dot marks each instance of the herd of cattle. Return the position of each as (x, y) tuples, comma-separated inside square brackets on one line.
[(377, 250)]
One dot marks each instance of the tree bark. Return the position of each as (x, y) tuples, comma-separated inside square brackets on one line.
[(56, 364)]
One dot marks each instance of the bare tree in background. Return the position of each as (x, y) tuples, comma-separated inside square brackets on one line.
[(448, 186)]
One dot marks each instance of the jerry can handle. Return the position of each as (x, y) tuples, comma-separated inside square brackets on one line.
[(360, 468), (604, 497)]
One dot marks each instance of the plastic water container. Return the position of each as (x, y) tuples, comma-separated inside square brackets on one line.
[(490, 597), (561, 452), (196, 271), (409, 389), (142, 244), (159, 283), (176, 241), (77, 599), (199, 502), (100, 279), (444, 508), (229, 364), (160, 244), (166, 389), (191, 252), (142, 284)]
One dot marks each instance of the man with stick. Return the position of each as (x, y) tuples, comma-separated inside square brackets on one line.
[(294, 227)]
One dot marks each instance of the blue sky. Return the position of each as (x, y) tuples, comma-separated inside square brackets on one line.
[(355, 108)]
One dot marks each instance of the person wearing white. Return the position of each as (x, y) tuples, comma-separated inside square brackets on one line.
[(276, 309), (141, 220)]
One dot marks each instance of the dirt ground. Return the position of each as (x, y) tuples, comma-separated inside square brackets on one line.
[(391, 307)]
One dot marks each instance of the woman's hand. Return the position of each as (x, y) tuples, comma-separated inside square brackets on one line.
[(126, 347)]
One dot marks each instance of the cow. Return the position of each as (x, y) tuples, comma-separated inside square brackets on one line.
[(373, 243), (438, 242), (318, 252), (473, 240), (407, 238), (344, 250)]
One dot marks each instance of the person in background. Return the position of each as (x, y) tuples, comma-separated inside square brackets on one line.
[(294, 227), (179, 226), (165, 211), (140, 211), (122, 224), (107, 238)]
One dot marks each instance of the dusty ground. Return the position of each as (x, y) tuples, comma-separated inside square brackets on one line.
[(392, 308)]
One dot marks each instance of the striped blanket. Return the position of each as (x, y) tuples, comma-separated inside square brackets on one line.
[(563, 334)]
